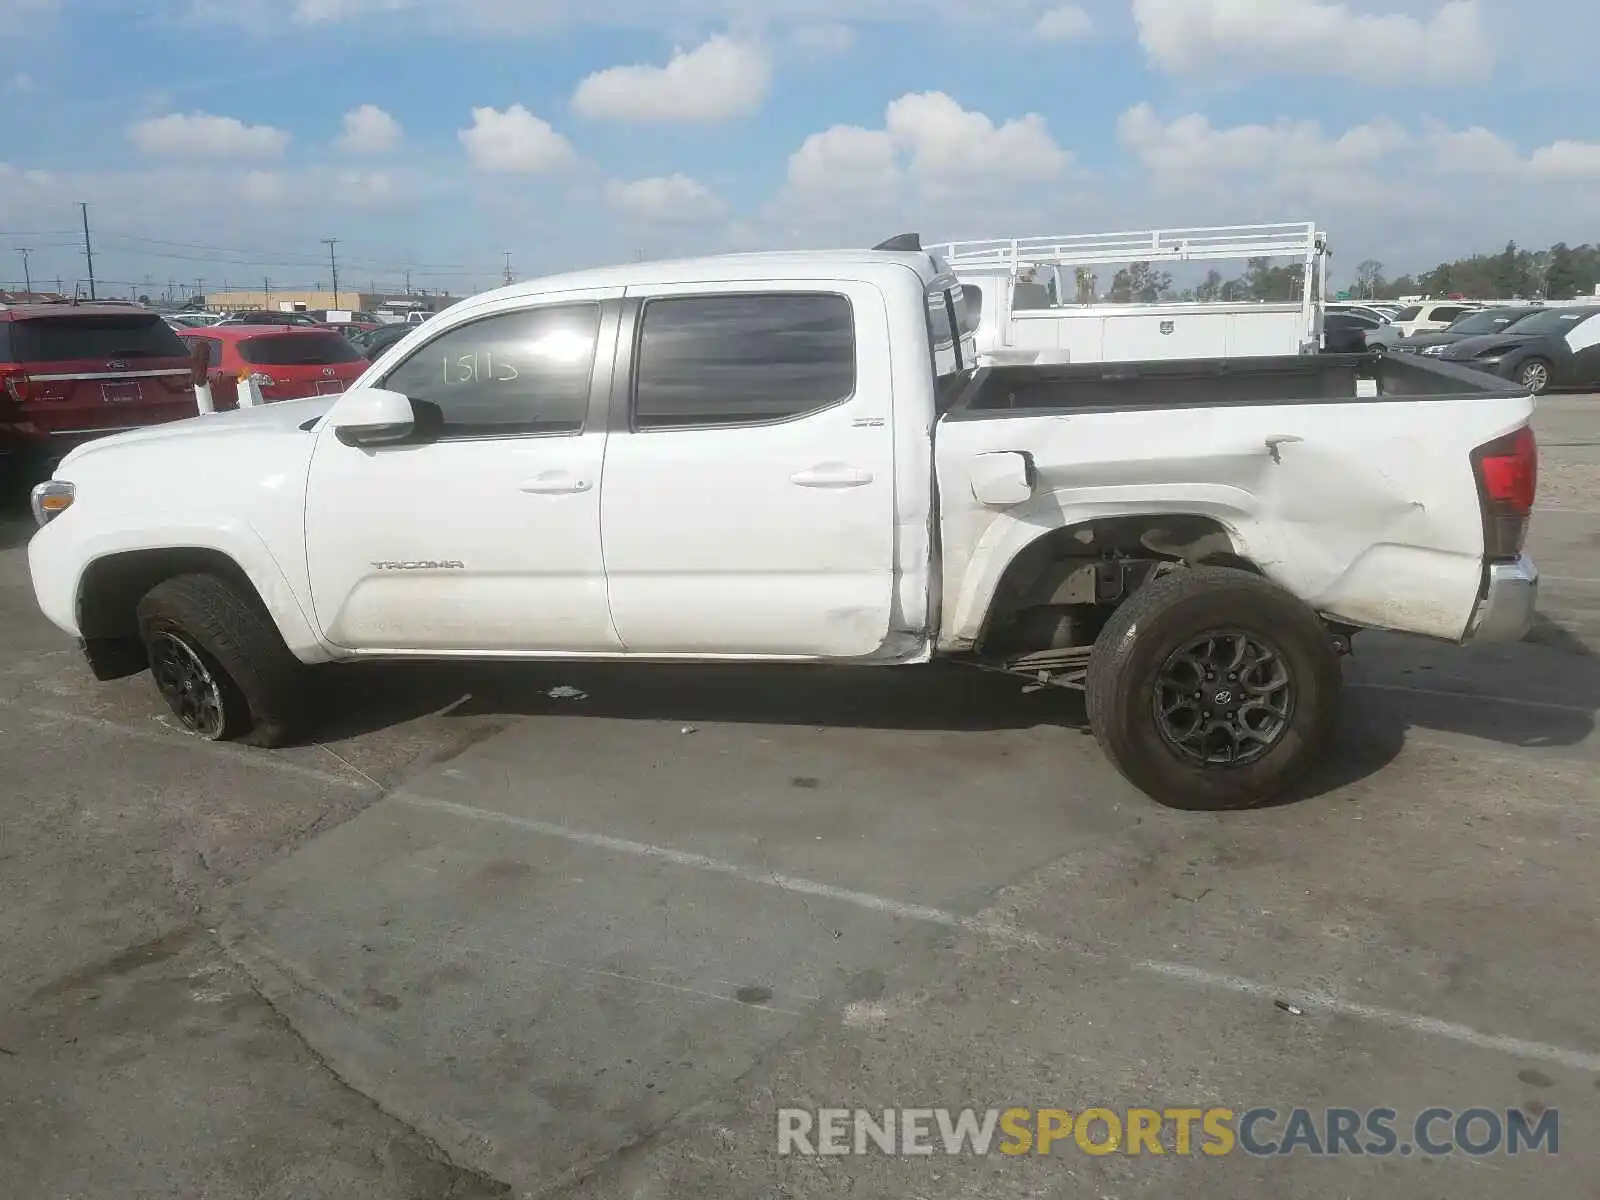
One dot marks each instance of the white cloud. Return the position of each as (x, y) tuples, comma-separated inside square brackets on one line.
[(1567, 160), (370, 130), (845, 160), (928, 137), (513, 142), (1302, 37), (665, 199), (1191, 145), (947, 141), (716, 81), (1066, 24), (201, 135)]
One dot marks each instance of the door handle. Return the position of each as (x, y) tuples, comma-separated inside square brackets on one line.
[(832, 475), (554, 483)]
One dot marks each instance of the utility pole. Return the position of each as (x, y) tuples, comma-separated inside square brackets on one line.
[(333, 266), (509, 278), (88, 248), (266, 290), (408, 281), (27, 276)]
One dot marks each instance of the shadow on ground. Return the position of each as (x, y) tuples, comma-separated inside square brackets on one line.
[(948, 697)]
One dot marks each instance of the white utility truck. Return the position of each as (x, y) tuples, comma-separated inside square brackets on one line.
[(790, 457), (1025, 294)]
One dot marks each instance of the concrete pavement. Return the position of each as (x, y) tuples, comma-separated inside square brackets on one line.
[(485, 941)]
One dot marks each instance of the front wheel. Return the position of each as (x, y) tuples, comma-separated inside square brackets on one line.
[(1213, 689), (1534, 375), (219, 661)]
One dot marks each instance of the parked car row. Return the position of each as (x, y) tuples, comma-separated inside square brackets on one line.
[(71, 373), (1535, 346)]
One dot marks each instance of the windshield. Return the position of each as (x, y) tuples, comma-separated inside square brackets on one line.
[(1486, 322), (1554, 320), (84, 336), (298, 350)]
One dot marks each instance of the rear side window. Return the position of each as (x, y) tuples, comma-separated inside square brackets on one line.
[(733, 360), (1409, 314), (1448, 314), (511, 375), (298, 350), (68, 338)]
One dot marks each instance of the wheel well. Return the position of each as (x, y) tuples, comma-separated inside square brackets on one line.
[(1091, 566), (111, 588)]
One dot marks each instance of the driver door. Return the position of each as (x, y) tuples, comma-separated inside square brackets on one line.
[(480, 533)]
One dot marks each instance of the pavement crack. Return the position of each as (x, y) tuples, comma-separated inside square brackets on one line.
[(464, 1182)]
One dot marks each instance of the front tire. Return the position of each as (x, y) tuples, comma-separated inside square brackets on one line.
[(1213, 689), (219, 661)]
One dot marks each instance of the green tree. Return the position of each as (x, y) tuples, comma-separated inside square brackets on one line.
[(1563, 276), (1211, 289), (1369, 279)]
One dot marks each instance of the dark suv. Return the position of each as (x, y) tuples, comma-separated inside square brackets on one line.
[(73, 372)]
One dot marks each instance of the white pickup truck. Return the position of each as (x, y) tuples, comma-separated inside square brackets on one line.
[(790, 457)]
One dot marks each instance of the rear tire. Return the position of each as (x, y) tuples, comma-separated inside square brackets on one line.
[(1166, 712), (220, 662)]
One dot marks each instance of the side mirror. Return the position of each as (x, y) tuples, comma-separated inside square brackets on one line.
[(372, 417), (199, 363)]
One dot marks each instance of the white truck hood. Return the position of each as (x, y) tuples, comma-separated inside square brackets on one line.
[(281, 417)]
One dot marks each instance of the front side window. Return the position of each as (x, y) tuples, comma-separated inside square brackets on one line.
[(742, 359), (509, 375), (1409, 314)]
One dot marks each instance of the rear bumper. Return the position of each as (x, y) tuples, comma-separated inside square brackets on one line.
[(1506, 611)]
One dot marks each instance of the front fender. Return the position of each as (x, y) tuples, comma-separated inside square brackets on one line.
[(60, 555)]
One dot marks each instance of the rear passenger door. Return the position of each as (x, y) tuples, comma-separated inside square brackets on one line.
[(747, 504)]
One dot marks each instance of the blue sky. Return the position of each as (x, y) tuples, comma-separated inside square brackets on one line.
[(223, 139)]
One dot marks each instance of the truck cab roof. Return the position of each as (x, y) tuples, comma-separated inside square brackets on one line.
[(727, 268)]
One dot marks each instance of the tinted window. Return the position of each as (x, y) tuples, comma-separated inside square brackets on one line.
[(1350, 320), (1479, 322), (518, 373), (1409, 314), (1446, 314), (64, 338), (720, 360), (1553, 320), (213, 349), (382, 338), (298, 350)]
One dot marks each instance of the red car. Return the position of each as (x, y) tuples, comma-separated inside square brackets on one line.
[(288, 363), (73, 372)]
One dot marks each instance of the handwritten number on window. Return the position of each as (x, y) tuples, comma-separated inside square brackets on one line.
[(466, 369)]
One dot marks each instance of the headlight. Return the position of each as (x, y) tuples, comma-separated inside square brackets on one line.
[(1433, 350), (52, 498)]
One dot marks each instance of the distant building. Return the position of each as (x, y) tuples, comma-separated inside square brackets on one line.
[(348, 301), (21, 297)]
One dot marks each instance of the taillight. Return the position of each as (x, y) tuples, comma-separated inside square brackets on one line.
[(16, 384), (1508, 479)]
